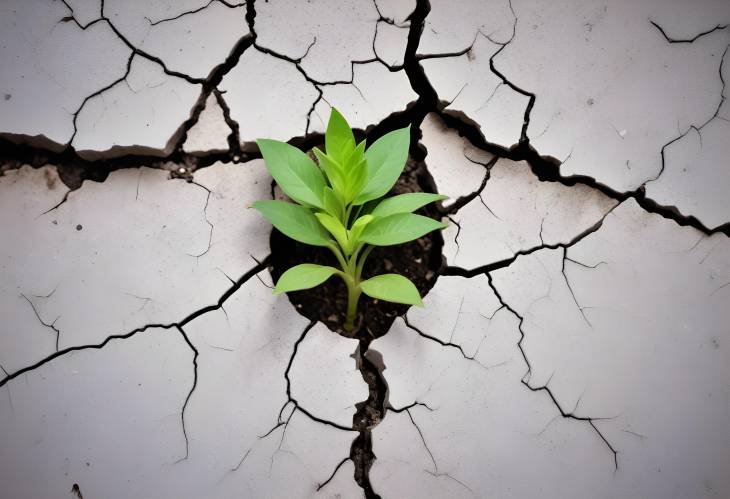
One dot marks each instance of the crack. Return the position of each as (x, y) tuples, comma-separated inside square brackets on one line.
[(368, 415), (71, 17), (52, 325), (234, 138), (697, 129), (506, 262), (69, 154), (444, 343), (531, 96), (545, 388), (439, 475), (570, 288), (195, 11), (210, 224), (295, 402), (669, 39), (409, 406), (456, 236), (547, 169), (389, 20), (190, 393), (98, 93), (337, 468), (243, 459), (123, 336), (423, 440), (462, 201)]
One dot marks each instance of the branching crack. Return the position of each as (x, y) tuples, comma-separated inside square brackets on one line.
[(179, 326), (506, 262), (443, 343), (51, 325), (570, 288), (693, 127), (526, 380)]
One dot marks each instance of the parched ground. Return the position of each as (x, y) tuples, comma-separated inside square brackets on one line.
[(576, 343)]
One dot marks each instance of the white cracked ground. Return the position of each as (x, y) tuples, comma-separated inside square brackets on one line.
[(576, 344)]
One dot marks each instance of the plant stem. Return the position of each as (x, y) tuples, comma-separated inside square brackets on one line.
[(338, 254), (361, 263), (353, 295)]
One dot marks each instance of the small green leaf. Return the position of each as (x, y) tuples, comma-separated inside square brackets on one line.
[(338, 139), (357, 228), (405, 203), (304, 276), (294, 171), (355, 157), (398, 228), (392, 287), (332, 205), (386, 159), (335, 227), (333, 170), (294, 221)]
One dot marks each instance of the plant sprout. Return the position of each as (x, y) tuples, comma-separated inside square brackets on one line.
[(339, 205)]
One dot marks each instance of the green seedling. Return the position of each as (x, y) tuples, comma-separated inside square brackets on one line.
[(339, 205)]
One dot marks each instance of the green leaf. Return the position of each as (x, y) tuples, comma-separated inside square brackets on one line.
[(332, 204), (386, 159), (392, 287), (357, 228), (294, 221), (304, 276), (296, 174), (405, 203), (333, 170), (355, 157), (357, 177), (398, 228), (338, 139), (335, 227)]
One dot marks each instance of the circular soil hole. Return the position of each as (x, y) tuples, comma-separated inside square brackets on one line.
[(419, 260)]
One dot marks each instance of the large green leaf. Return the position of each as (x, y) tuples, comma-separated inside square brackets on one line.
[(304, 276), (335, 227), (405, 203), (294, 221), (398, 228), (392, 287), (338, 139), (294, 171), (386, 159)]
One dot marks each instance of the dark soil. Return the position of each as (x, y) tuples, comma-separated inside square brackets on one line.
[(419, 260)]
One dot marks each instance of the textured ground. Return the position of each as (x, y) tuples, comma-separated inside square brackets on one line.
[(576, 344)]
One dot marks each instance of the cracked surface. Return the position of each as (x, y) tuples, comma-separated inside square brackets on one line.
[(574, 345), (516, 212)]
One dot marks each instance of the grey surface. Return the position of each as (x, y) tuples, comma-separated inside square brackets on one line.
[(575, 345)]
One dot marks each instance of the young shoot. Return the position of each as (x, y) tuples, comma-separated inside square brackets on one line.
[(339, 205)]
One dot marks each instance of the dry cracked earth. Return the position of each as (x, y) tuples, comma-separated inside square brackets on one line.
[(576, 343)]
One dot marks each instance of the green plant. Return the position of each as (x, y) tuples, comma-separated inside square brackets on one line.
[(339, 205)]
